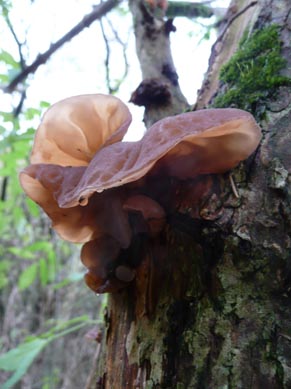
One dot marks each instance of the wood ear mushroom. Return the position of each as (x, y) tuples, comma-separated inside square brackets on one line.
[(94, 187)]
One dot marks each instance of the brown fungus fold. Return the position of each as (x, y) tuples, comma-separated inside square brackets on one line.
[(93, 186), (182, 146), (152, 212), (73, 130)]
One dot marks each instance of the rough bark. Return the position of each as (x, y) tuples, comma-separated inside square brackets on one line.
[(211, 304)]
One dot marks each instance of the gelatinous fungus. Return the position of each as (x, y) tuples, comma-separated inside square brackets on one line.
[(115, 196)]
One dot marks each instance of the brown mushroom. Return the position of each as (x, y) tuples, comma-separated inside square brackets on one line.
[(152, 212), (103, 214), (99, 257), (99, 253), (99, 285), (182, 146), (91, 184), (73, 129)]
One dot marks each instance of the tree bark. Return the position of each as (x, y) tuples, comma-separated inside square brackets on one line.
[(159, 91), (210, 307)]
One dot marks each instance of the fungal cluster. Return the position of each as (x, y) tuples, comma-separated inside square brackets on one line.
[(115, 196)]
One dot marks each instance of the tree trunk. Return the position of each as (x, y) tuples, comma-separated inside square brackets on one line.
[(210, 307), (159, 91)]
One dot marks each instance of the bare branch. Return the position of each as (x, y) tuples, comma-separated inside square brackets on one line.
[(98, 12), (113, 87), (124, 50), (107, 48), (18, 43)]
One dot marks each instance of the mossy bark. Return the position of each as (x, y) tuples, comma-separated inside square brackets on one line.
[(211, 304)]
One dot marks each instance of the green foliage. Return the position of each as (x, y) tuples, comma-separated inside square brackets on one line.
[(11, 65), (27, 249), (6, 6), (5, 266), (253, 73), (19, 359), (8, 59), (27, 276), (16, 140), (42, 254), (38, 275)]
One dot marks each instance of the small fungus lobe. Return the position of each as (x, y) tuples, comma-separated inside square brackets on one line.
[(108, 194)]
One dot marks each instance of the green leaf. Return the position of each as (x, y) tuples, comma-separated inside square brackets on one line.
[(44, 104), (5, 266), (20, 358), (52, 266), (2, 129), (4, 78), (32, 207), (8, 59), (31, 113), (28, 276), (7, 116), (41, 245), (43, 271), (21, 252), (3, 280)]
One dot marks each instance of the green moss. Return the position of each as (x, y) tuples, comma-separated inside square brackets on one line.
[(253, 73)]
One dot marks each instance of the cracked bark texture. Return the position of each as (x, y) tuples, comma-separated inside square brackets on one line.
[(212, 308)]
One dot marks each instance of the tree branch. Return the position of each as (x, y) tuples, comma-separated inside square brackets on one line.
[(107, 58), (114, 88), (98, 12), (17, 41)]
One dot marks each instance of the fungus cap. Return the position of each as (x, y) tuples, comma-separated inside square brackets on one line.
[(182, 146), (73, 129)]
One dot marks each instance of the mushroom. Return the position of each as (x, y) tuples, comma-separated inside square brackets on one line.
[(80, 224), (182, 146), (95, 187), (151, 211), (99, 258), (73, 129)]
